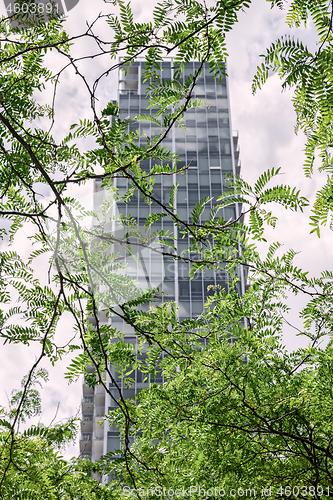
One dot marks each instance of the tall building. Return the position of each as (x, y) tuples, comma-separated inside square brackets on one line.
[(210, 149)]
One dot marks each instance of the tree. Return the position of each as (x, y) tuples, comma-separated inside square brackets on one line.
[(31, 463), (231, 415), (309, 72)]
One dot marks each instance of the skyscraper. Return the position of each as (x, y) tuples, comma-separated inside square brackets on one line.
[(210, 151)]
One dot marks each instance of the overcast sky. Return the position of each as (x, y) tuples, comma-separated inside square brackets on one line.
[(266, 134)]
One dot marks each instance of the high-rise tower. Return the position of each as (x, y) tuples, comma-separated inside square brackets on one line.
[(211, 152)]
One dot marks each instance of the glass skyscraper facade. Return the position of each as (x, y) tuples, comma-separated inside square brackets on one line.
[(210, 150)]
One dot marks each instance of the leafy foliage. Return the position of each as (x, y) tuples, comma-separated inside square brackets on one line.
[(309, 73), (236, 409)]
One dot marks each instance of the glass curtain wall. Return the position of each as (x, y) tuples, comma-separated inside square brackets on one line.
[(211, 152)]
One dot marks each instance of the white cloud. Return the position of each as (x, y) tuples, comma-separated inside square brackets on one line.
[(267, 139)]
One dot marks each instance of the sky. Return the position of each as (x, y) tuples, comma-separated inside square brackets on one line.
[(266, 135)]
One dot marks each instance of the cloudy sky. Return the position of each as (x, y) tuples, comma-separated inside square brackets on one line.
[(266, 129)]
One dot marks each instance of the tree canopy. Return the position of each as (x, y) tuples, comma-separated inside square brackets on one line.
[(244, 415)]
